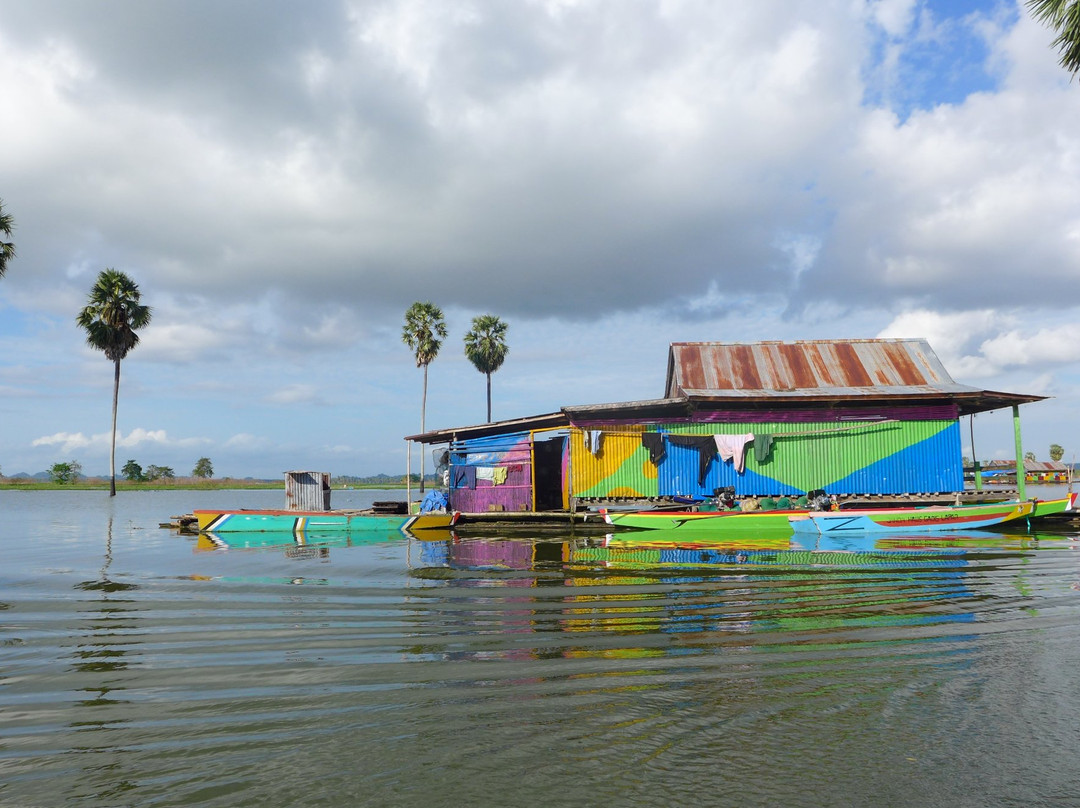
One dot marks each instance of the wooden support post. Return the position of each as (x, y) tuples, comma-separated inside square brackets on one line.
[(408, 477), (974, 459), (1021, 474)]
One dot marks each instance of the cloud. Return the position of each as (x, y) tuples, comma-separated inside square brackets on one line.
[(138, 437), (1053, 346), (283, 181), (66, 440)]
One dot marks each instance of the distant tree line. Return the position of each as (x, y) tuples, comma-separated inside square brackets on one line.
[(71, 471)]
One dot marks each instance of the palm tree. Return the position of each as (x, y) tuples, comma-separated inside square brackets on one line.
[(7, 249), (486, 348), (110, 318), (1064, 17), (424, 332)]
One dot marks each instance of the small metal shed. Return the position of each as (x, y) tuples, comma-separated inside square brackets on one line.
[(307, 490)]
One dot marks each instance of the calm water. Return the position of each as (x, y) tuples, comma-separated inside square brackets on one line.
[(138, 667)]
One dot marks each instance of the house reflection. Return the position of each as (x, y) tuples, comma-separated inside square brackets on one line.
[(649, 596)]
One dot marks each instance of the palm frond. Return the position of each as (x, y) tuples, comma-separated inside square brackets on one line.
[(1064, 17)]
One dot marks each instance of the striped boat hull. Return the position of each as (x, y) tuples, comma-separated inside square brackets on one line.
[(316, 522)]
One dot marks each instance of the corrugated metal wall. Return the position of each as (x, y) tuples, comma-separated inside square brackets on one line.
[(474, 462), (307, 490), (888, 456), (871, 458), (620, 467)]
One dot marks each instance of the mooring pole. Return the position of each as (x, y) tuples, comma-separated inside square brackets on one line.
[(408, 477), (975, 460), (1021, 472)]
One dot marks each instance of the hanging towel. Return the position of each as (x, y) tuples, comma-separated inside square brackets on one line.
[(498, 475), (464, 477), (731, 447), (592, 440), (762, 446), (485, 473), (706, 449), (654, 444)]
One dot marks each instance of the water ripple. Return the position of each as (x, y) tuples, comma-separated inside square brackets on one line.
[(564, 672)]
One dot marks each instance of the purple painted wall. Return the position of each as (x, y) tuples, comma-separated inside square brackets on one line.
[(471, 460)]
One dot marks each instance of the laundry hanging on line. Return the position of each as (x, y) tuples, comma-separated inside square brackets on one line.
[(654, 445), (733, 448)]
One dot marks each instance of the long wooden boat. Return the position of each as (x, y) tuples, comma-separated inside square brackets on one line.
[(317, 522), (707, 525), (695, 524), (907, 520)]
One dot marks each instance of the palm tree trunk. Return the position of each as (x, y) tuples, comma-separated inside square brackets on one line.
[(489, 396), (112, 452), (423, 448)]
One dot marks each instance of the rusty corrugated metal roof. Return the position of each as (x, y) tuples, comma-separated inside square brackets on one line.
[(818, 366), (821, 370), (1045, 466)]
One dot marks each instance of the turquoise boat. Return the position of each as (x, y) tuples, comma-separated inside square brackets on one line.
[(317, 522)]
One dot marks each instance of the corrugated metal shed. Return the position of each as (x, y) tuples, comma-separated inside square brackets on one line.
[(307, 490), (821, 370)]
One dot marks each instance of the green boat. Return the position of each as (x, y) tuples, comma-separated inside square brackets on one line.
[(707, 523)]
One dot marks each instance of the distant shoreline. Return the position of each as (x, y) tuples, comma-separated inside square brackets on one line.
[(98, 484)]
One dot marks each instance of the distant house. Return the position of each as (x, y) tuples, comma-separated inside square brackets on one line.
[(769, 418), (1046, 471)]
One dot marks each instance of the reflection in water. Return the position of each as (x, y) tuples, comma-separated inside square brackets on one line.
[(557, 671), (108, 636), (759, 591)]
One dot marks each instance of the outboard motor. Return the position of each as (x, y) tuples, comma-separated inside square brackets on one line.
[(818, 500)]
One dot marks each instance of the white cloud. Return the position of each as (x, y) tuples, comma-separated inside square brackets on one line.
[(138, 437), (606, 176), (1016, 348), (65, 440), (894, 16)]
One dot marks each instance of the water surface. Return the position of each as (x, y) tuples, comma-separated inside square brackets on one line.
[(140, 667)]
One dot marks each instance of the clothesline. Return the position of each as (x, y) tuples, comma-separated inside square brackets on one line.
[(859, 425)]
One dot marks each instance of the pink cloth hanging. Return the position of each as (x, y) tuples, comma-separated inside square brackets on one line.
[(733, 448)]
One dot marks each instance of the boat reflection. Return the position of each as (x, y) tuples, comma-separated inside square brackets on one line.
[(297, 544), (670, 549)]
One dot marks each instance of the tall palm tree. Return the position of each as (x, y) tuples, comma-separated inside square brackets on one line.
[(7, 249), (112, 314), (486, 348), (424, 332), (1064, 17)]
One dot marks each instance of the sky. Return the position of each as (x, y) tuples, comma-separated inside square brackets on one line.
[(284, 179)]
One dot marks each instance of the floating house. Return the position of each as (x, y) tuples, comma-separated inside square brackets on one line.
[(1046, 471), (852, 417)]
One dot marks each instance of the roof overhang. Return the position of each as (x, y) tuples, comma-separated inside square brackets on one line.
[(554, 420), (968, 400)]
